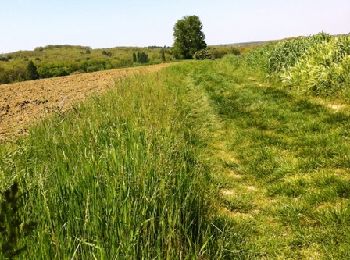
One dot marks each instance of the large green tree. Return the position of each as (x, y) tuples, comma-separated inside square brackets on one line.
[(188, 37)]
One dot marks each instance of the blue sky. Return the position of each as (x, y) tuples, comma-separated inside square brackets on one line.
[(25, 24)]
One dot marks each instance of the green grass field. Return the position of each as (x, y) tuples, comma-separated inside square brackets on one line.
[(203, 160)]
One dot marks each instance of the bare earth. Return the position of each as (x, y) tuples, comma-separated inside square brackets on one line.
[(21, 104)]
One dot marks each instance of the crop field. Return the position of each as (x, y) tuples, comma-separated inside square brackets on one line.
[(244, 157)]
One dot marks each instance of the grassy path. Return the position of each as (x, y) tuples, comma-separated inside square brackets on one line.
[(282, 164)]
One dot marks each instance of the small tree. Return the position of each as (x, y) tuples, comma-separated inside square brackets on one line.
[(162, 54), (134, 57), (188, 37), (32, 71)]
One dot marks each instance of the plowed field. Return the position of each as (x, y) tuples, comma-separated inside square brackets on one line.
[(21, 104)]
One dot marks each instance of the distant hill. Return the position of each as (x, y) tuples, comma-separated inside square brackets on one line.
[(242, 44)]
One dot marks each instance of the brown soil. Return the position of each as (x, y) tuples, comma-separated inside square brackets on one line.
[(21, 104)]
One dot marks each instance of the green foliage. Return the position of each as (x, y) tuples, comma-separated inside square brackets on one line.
[(142, 57), (12, 228), (318, 64), (107, 53), (287, 53), (203, 54), (188, 37), (62, 60), (323, 69), (162, 54), (32, 71), (4, 58), (215, 53), (13, 74)]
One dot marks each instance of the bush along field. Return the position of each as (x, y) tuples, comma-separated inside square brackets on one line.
[(212, 159)]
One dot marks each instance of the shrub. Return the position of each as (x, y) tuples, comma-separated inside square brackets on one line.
[(215, 53), (32, 71), (203, 54), (142, 57), (4, 58), (107, 53)]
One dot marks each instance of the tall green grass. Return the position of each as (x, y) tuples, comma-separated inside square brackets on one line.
[(319, 64), (117, 177)]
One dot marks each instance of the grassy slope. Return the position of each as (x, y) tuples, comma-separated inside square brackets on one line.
[(126, 174)]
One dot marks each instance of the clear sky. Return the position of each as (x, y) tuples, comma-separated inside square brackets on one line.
[(25, 24)]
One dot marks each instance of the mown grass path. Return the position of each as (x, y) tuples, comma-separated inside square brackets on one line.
[(281, 162)]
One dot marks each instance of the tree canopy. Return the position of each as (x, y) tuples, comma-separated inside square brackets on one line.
[(188, 37)]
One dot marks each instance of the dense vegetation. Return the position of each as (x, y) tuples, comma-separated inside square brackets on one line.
[(216, 53), (62, 60), (117, 177), (136, 172), (319, 64)]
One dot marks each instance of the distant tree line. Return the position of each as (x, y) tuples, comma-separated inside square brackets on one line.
[(62, 60), (32, 71)]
